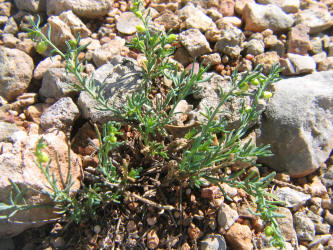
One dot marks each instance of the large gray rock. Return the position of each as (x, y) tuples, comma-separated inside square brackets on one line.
[(57, 83), (60, 115), (16, 69), (259, 17), (298, 124), (122, 76), (17, 163), (317, 18)]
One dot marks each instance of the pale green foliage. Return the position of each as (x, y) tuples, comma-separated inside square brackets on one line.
[(204, 158)]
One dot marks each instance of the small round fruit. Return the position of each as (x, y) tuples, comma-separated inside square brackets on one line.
[(43, 157), (269, 231), (266, 95), (41, 47), (140, 28), (113, 139), (255, 82)]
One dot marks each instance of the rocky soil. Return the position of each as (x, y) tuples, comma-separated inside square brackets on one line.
[(35, 100)]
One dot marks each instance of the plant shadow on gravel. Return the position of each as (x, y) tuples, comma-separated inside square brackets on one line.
[(145, 190)]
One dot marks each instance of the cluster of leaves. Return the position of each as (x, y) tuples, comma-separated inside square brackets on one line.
[(210, 149)]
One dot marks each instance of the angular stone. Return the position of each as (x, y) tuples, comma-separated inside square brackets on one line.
[(46, 64), (299, 40), (286, 224), (57, 83), (317, 18), (60, 32), (5, 9), (305, 228), (16, 69), (239, 237), (289, 6), (260, 17), (75, 24), (195, 42), (169, 20), (316, 45), (31, 5), (61, 115), (82, 8), (227, 8), (302, 64), (291, 197), (108, 51), (267, 59), (212, 59), (122, 76), (230, 41), (195, 18), (10, 26), (235, 21), (254, 47), (226, 216), (6, 130), (325, 64), (298, 124), (240, 4)]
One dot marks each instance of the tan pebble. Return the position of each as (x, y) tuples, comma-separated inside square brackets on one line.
[(212, 192), (194, 232), (152, 240), (327, 203), (97, 229), (219, 68), (110, 20), (104, 40), (151, 221), (81, 56), (186, 246), (131, 226)]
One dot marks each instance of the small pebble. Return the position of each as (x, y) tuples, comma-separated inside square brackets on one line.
[(97, 229)]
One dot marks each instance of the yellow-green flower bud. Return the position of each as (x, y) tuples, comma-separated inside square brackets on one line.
[(244, 87), (43, 157), (266, 95), (140, 28), (41, 47), (138, 14), (172, 37), (248, 109), (255, 82)]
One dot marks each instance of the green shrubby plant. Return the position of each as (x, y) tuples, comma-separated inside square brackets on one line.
[(211, 147)]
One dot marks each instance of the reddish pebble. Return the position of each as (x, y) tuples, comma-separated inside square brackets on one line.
[(196, 67), (249, 57)]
